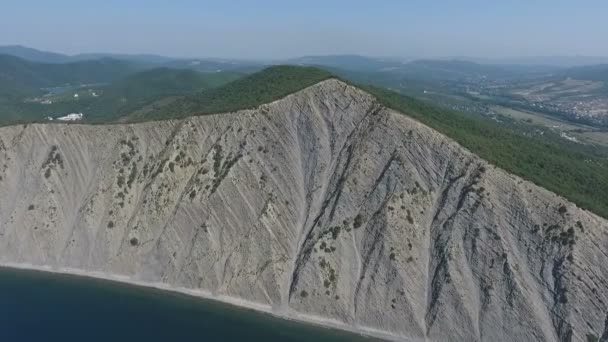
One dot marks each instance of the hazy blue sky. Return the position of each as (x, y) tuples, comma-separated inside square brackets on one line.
[(282, 28)]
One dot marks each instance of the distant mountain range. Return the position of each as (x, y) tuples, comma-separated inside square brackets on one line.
[(26, 71), (441, 70), (24, 67), (133, 82), (34, 55), (389, 71), (200, 64), (352, 61)]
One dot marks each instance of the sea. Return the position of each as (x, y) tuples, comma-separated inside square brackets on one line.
[(42, 306)]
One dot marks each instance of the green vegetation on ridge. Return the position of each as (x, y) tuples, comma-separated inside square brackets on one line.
[(577, 172)]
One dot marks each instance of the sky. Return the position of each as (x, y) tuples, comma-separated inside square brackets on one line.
[(275, 29)]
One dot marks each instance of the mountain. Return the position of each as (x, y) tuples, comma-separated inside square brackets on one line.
[(33, 55), (323, 206)]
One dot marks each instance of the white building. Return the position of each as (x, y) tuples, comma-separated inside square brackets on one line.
[(71, 117)]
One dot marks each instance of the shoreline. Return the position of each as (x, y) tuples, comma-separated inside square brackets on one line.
[(317, 321)]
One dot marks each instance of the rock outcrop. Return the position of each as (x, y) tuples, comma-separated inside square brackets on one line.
[(323, 203)]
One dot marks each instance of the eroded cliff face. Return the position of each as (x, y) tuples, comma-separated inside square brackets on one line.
[(323, 203)]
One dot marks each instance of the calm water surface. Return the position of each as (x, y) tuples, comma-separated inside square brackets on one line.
[(38, 306)]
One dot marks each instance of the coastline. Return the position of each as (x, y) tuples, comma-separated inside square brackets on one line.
[(317, 321)]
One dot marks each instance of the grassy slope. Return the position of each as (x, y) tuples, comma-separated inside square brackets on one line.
[(577, 172)]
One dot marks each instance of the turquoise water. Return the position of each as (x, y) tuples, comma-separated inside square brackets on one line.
[(38, 306)]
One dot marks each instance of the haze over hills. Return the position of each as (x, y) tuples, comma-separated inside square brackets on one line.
[(347, 61), (31, 76), (440, 69), (34, 55), (144, 60), (556, 61)]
